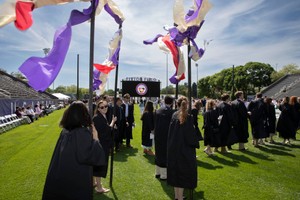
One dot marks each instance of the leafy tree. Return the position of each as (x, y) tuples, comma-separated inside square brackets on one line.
[(60, 89), (19, 75), (287, 69)]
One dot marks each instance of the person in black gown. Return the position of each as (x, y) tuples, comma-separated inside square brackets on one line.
[(195, 112), (77, 150), (286, 125), (271, 119), (241, 116), (104, 129), (147, 128), (257, 112), (129, 119), (162, 119), (211, 127), (226, 123), (181, 153)]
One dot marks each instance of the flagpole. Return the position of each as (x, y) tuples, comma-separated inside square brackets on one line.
[(92, 36), (115, 114), (77, 86), (189, 92)]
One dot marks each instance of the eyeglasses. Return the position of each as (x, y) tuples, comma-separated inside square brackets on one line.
[(102, 107)]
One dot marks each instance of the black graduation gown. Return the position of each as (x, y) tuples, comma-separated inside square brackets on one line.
[(71, 167), (226, 124), (211, 128), (240, 120), (129, 119), (147, 127), (271, 119), (286, 121), (258, 118), (105, 138), (195, 121), (162, 119), (181, 153)]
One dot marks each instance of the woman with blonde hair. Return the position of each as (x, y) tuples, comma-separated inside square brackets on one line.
[(211, 130), (181, 153)]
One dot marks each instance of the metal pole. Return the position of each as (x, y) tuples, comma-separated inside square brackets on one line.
[(197, 81), (232, 81), (189, 78), (190, 92), (77, 86), (92, 36), (115, 113), (167, 73)]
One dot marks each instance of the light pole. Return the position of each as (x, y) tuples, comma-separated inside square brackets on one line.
[(197, 81), (46, 51), (167, 72)]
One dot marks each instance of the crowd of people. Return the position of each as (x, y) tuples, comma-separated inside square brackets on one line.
[(30, 114), (171, 129), (226, 123)]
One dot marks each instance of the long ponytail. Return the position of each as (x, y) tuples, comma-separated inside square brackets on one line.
[(183, 109)]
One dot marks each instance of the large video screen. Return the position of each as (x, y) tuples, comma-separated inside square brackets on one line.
[(141, 88)]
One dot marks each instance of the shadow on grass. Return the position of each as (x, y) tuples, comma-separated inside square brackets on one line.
[(122, 155), (275, 151), (257, 155), (151, 159), (169, 190), (240, 158), (223, 161), (278, 146), (209, 166)]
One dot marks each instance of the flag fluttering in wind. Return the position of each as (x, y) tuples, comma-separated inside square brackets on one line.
[(102, 70), (19, 11), (185, 31), (41, 72)]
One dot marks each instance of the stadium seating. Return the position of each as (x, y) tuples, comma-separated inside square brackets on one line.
[(286, 86)]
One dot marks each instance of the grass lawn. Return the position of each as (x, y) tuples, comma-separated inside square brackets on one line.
[(268, 172)]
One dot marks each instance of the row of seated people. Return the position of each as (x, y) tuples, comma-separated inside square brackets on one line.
[(31, 114)]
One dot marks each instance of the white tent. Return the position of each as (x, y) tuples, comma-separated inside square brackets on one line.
[(61, 96)]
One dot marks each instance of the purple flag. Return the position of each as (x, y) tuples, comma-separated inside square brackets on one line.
[(41, 72)]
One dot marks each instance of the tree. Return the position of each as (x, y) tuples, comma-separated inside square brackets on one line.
[(19, 75), (60, 89), (259, 74), (287, 69)]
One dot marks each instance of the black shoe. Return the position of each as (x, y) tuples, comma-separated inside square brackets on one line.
[(157, 176)]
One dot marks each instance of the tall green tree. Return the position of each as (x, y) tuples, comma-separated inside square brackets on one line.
[(287, 69)]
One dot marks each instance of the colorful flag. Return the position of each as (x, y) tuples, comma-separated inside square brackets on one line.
[(41, 72), (110, 62)]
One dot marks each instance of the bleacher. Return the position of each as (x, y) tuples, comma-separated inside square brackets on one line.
[(14, 88), (285, 86)]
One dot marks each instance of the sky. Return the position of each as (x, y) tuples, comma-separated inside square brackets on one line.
[(241, 31)]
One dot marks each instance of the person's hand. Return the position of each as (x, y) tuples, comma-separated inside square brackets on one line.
[(127, 124), (94, 133), (114, 119)]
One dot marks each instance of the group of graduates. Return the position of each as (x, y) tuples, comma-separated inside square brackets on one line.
[(84, 144), (176, 136), (226, 123)]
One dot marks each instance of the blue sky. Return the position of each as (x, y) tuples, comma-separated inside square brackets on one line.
[(242, 30)]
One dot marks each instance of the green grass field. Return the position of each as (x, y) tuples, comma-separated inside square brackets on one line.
[(270, 172)]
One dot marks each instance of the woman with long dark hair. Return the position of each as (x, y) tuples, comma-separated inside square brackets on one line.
[(286, 125), (104, 129), (77, 151), (181, 153), (147, 128)]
